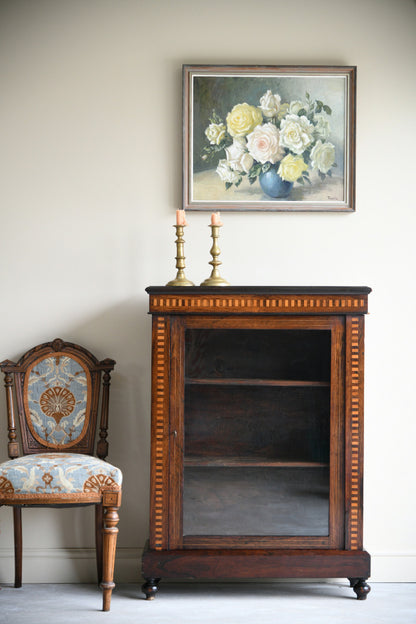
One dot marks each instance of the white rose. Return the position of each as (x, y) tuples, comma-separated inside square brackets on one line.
[(215, 133), (237, 156), (226, 174), (270, 104), (295, 106), (323, 156), (296, 133), (322, 128), (264, 145)]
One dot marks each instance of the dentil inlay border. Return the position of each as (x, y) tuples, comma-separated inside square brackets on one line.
[(160, 398), (319, 304), (354, 431)]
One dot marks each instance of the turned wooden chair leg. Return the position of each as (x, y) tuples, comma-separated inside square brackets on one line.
[(99, 540), (17, 525), (110, 531)]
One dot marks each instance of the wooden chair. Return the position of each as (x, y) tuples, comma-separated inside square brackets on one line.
[(57, 391)]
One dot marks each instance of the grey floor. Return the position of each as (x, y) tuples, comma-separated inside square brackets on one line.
[(228, 603)]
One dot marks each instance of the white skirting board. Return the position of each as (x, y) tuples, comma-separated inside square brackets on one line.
[(68, 565), (77, 565)]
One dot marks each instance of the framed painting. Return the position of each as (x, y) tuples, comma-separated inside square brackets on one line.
[(269, 138)]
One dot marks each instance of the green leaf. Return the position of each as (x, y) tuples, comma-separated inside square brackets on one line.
[(318, 107), (300, 181), (252, 180), (301, 112), (327, 109), (207, 153), (305, 177), (255, 170), (329, 173), (228, 185), (238, 181), (266, 167), (321, 175), (214, 118), (308, 97)]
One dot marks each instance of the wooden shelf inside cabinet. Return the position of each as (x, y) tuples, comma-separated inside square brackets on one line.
[(285, 383), (230, 462), (257, 434)]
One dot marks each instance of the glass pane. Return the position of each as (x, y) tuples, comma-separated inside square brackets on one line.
[(256, 457), (256, 501)]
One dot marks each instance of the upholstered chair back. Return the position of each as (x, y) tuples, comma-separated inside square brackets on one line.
[(57, 387)]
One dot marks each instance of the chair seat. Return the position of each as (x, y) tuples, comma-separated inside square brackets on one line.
[(66, 477)]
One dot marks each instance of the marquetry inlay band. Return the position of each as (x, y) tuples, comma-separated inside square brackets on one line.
[(160, 398), (319, 304), (355, 435)]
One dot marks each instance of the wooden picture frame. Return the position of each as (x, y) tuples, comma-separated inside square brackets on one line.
[(269, 138)]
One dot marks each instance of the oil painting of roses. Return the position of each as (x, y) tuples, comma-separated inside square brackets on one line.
[(269, 138)]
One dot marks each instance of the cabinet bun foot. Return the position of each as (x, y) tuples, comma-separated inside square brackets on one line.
[(361, 588), (150, 588)]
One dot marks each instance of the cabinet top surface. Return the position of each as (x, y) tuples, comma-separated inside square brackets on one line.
[(258, 290)]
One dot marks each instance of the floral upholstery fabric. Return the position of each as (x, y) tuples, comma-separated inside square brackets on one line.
[(57, 393), (57, 475)]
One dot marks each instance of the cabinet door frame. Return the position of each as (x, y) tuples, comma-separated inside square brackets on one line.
[(178, 326)]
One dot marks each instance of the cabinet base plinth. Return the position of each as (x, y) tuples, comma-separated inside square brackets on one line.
[(252, 564)]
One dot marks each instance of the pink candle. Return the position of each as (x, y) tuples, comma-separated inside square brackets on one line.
[(180, 217), (216, 218)]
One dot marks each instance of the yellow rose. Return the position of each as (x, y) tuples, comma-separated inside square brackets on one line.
[(292, 167), (243, 119)]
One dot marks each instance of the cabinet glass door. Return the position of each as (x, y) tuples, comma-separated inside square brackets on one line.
[(257, 431)]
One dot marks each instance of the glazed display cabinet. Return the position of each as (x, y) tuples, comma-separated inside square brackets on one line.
[(257, 434)]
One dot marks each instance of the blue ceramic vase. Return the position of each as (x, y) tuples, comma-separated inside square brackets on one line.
[(273, 185)]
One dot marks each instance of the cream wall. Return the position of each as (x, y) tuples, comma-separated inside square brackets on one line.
[(90, 150)]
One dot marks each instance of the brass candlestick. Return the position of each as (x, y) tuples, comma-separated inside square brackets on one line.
[(215, 278), (180, 279)]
